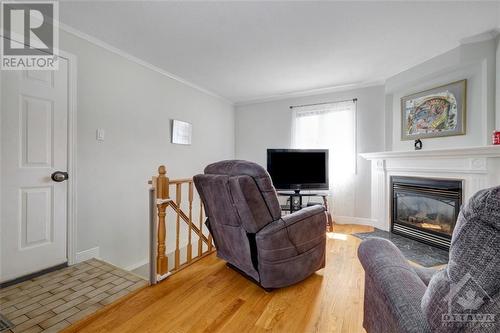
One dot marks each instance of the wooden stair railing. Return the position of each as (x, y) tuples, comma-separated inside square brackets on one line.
[(161, 201)]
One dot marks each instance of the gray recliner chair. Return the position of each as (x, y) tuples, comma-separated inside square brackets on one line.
[(244, 218), (463, 297)]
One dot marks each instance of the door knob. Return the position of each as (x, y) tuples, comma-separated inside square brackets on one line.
[(59, 176)]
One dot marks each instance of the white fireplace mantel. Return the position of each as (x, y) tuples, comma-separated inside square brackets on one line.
[(484, 151), (477, 167)]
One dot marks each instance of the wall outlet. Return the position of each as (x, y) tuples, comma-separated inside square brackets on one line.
[(99, 134)]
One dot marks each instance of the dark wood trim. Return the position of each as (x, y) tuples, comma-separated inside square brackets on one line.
[(32, 275)]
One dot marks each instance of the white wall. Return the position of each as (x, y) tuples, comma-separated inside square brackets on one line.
[(134, 105), (497, 82), (472, 61), (268, 125)]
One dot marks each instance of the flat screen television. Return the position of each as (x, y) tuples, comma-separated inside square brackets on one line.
[(296, 169)]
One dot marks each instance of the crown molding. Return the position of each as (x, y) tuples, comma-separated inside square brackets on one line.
[(311, 92), (265, 98), (484, 36), (128, 56)]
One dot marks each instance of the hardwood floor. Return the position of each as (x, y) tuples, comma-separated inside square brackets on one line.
[(210, 297)]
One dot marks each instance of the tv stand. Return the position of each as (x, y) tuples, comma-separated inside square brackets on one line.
[(296, 202)]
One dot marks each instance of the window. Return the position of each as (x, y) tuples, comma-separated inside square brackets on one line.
[(331, 126), (328, 126)]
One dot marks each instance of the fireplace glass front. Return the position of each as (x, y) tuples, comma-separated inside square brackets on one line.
[(426, 212), (426, 209)]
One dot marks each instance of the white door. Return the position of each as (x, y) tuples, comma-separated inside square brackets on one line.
[(34, 143)]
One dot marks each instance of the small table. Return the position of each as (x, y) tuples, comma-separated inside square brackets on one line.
[(299, 205)]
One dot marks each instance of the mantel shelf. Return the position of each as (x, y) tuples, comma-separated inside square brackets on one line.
[(483, 151)]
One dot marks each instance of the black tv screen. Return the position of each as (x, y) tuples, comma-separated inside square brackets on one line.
[(298, 168)]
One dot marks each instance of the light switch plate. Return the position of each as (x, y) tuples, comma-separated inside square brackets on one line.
[(99, 134)]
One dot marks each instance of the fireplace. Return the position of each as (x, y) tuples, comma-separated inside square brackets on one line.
[(425, 209)]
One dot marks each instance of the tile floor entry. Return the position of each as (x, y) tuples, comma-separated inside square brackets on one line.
[(53, 301)]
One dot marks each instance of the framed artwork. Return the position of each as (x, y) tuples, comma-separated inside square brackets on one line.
[(181, 132), (436, 112)]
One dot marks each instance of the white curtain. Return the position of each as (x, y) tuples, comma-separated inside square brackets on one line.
[(331, 126)]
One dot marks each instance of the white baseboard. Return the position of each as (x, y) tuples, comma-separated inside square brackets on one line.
[(87, 254), (355, 220), (137, 265)]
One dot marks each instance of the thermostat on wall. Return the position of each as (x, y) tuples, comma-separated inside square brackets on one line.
[(99, 134)]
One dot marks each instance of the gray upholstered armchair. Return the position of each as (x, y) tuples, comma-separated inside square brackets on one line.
[(463, 297), (244, 217)]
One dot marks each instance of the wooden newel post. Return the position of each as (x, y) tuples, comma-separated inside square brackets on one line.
[(177, 253), (162, 184), (190, 199)]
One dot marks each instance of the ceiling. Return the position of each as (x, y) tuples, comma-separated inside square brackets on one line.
[(246, 51)]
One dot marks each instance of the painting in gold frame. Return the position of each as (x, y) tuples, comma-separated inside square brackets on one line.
[(436, 112)]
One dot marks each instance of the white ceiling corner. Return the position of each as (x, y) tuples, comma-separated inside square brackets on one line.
[(141, 62), (250, 51)]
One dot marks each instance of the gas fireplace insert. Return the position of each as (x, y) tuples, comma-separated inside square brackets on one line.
[(425, 209)]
